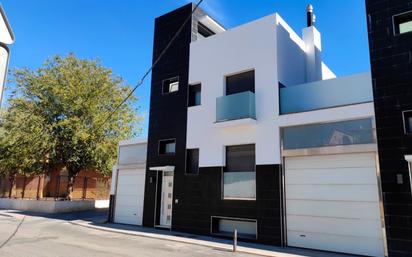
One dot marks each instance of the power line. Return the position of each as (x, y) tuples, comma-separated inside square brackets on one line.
[(140, 82)]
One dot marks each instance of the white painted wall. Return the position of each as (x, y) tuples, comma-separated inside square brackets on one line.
[(132, 152), (251, 46), (264, 45), (6, 38)]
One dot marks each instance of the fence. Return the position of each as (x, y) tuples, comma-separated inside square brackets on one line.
[(55, 187)]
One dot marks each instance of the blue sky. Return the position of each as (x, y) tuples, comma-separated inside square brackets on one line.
[(120, 32)]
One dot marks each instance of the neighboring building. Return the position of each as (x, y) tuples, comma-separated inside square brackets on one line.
[(6, 38), (128, 182), (250, 130), (390, 41)]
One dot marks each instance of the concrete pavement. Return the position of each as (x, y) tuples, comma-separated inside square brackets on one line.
[(85, 234)]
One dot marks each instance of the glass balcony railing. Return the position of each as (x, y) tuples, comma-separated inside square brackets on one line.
[(323, 94), (236, 106)]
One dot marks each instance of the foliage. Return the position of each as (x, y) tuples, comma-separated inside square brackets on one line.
[(56, 115)]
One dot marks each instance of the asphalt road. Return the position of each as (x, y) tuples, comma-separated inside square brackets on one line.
[(54, 236)]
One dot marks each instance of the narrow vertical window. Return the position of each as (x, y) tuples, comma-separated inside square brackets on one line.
[(195, 95), (407, 122), (192, 166)]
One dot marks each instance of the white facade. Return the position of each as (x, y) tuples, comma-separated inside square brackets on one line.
[(277, 54), (6, 38), (290, 68)]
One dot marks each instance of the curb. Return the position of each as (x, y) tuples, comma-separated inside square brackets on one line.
[(198, 242)]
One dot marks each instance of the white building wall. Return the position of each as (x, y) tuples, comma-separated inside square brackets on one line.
[(251, 46), (291, 55), (274, 51)]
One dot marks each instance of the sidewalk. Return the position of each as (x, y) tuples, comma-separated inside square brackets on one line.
[(226, 245)]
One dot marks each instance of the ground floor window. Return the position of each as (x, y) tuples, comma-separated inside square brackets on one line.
[(239, 175)]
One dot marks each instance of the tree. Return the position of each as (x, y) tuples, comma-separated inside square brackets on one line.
[(60, 114)]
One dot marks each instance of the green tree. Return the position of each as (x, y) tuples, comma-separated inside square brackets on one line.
[(58, 114)]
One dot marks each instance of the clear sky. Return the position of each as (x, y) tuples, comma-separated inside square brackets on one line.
[(120, 32)]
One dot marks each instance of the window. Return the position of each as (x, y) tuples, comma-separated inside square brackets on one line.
[(351, 132), (167, 146), (192, 165), (195, 95), (407, 122), (170, 85), (223, 226), (239, 176), (203, 31), (402, 23), (240, 83)]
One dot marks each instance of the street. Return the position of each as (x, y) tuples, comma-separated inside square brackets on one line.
[(54, 236)]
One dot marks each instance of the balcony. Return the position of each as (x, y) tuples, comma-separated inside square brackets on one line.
[(323, 94), (240, 106)]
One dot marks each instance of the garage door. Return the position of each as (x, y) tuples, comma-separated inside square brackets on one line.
[(332, 203), (129, 196)]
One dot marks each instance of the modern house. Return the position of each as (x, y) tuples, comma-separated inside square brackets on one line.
[(250, 130), (390, 40), (6, 38)]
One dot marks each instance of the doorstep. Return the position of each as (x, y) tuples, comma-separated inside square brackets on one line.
[(248, 248)]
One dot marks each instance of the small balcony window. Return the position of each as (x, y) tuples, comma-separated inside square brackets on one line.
[(241, 82), (167, 146), (195, 95), (402, 23), (170, 85)]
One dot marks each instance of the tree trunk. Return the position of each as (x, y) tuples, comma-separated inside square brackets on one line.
[(12, 178), (70, 185)]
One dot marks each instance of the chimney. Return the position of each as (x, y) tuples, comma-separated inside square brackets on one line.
[(310, 17), (312, 39)]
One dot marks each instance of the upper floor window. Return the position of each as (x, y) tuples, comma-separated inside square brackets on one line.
[(195, 95), (192, 165), (170, 85), (407, 121), (167, 146), (241, 82), (203, 31), (402, 23)]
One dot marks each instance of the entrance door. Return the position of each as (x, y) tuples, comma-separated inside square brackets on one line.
[(332, 203), (167, 200)]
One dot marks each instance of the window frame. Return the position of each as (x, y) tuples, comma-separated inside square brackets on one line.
[(170, 92), (159, 144), (396, 25), (406, 129), (223, 170), (187, 162), (199, 85)]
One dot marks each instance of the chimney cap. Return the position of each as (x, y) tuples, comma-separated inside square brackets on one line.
[(309, 8)]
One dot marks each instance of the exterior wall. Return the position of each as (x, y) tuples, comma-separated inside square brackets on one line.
[(168, 113), (392, 76), (251, 46), (291, 55), (6, 38)]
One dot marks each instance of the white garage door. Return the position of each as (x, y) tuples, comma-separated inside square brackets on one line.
[(332, 203), (129, 196)]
